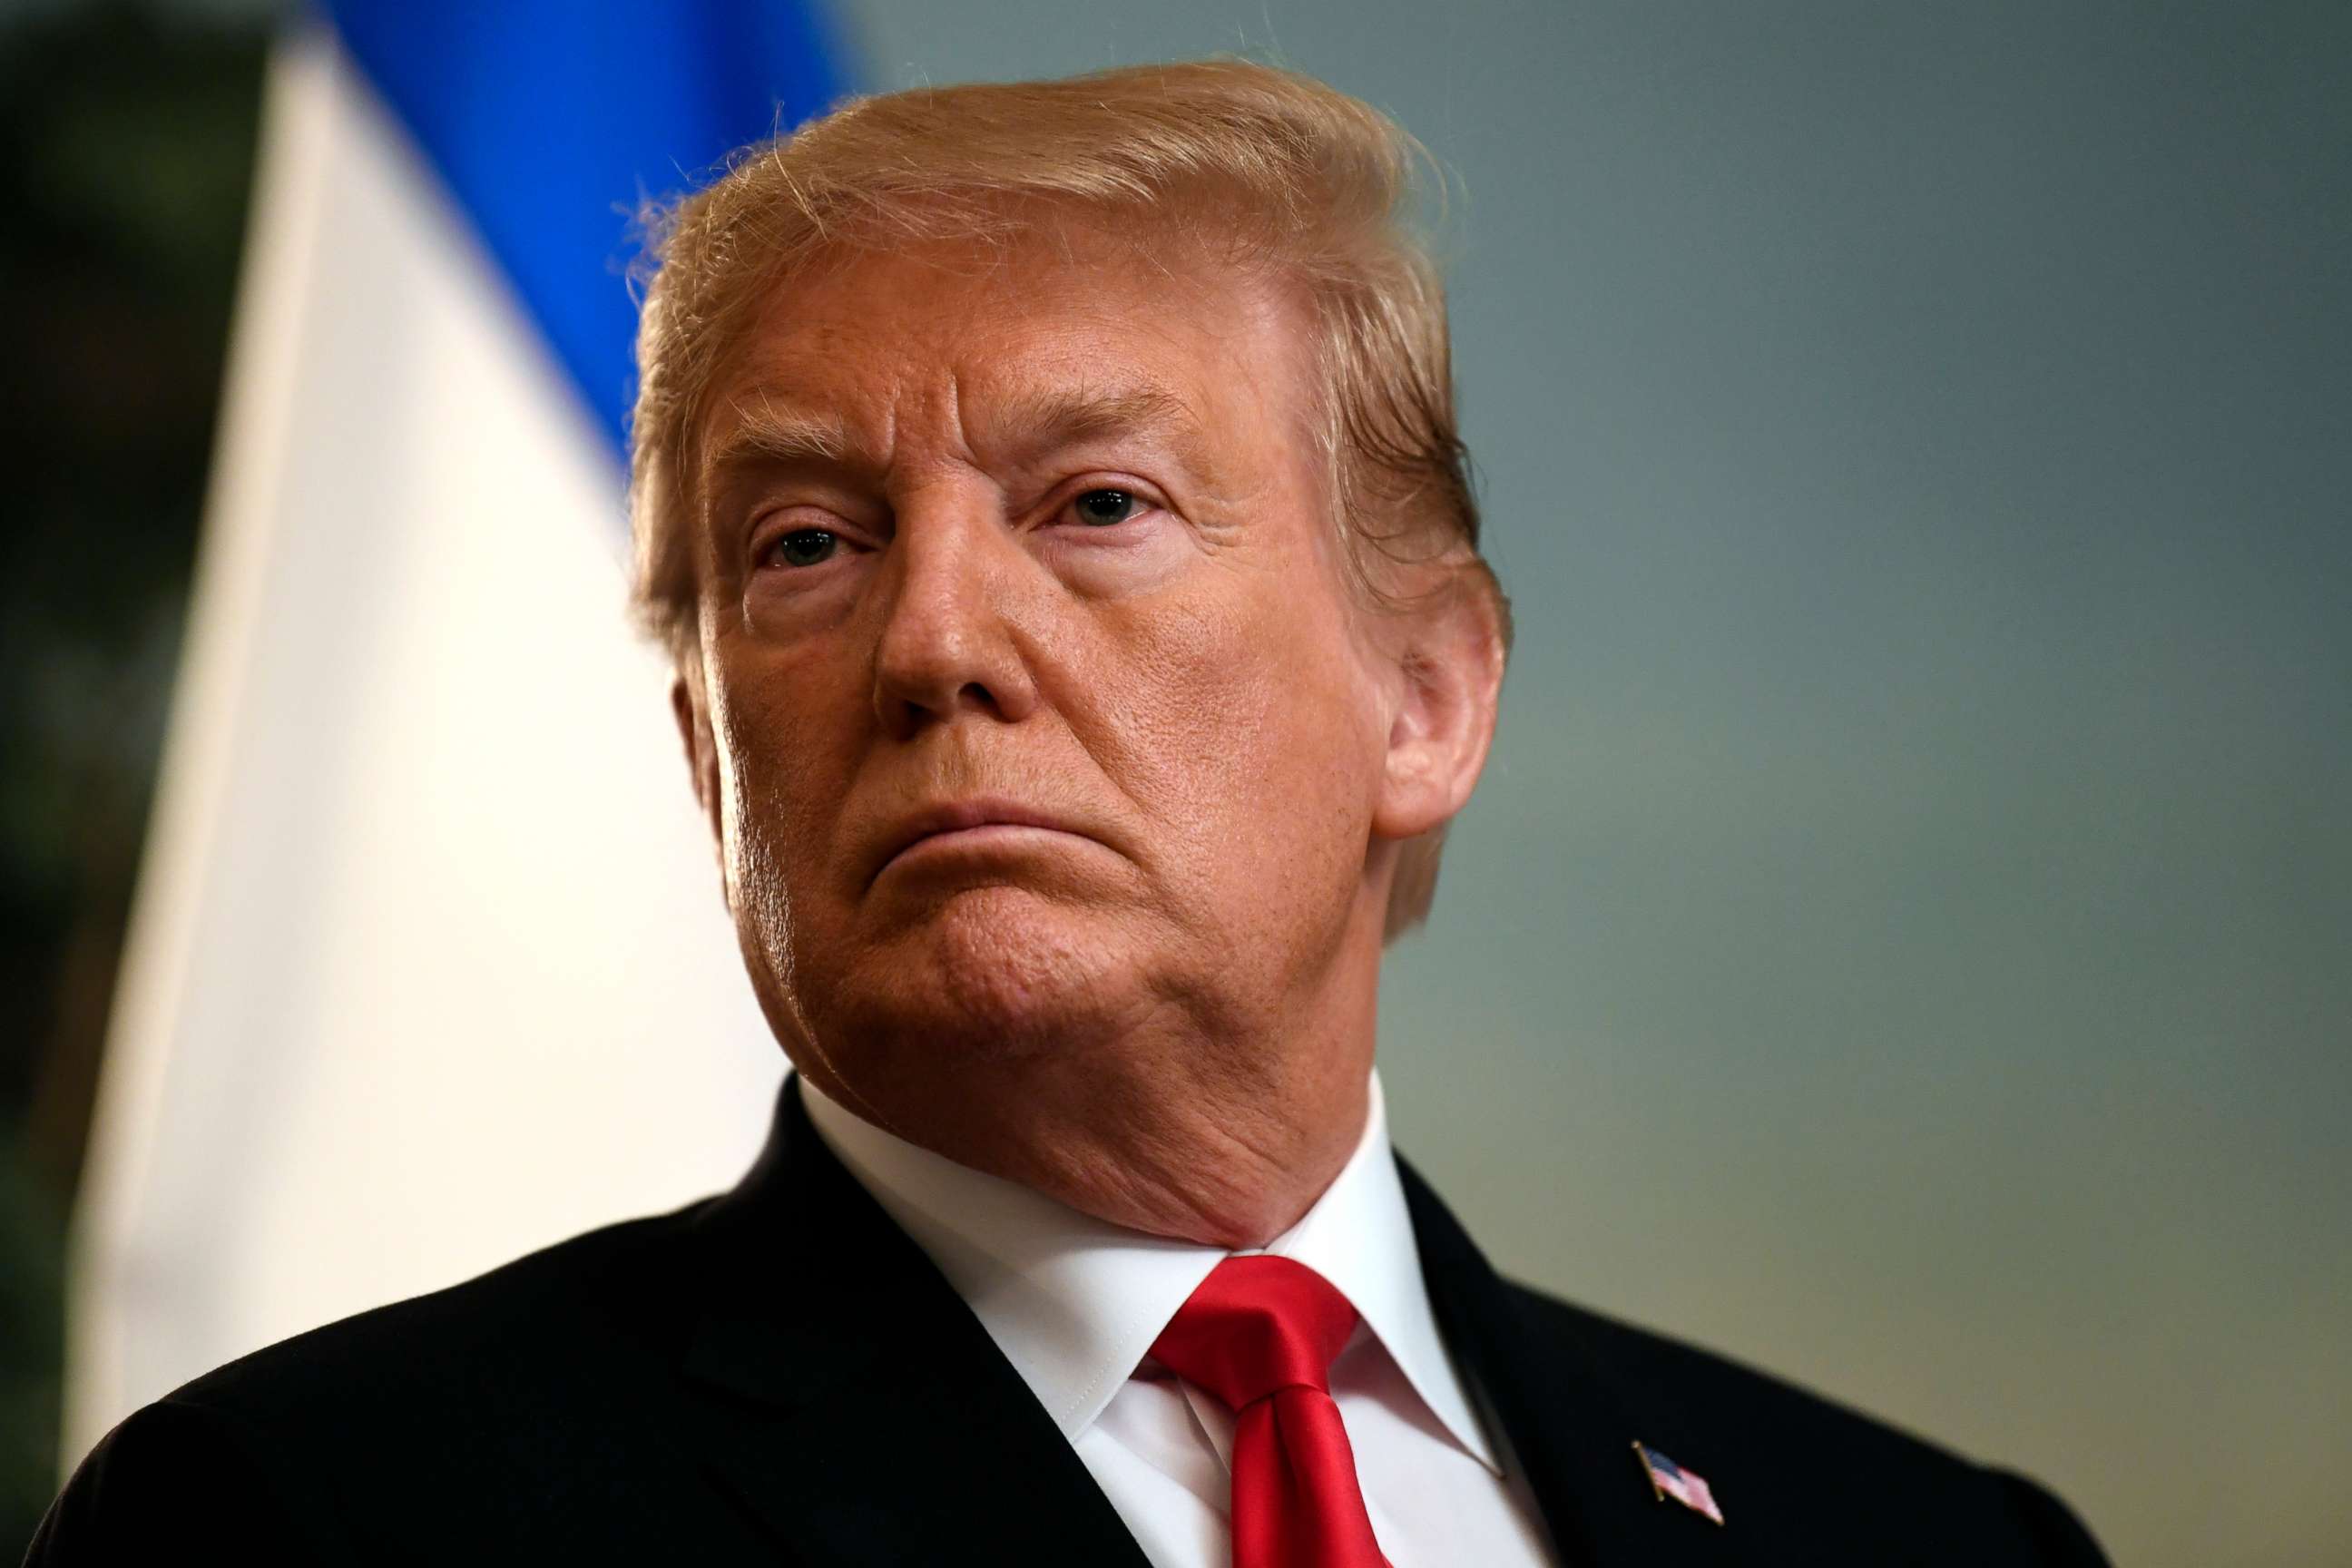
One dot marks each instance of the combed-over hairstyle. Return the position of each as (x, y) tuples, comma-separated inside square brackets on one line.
[(1274, 170)]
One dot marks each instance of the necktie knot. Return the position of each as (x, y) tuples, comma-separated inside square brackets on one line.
[(1255, 1326)]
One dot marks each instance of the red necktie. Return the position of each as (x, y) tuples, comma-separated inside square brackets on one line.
[(1261, 1335)]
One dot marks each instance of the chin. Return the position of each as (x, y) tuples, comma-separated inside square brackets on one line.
[(987, 972)]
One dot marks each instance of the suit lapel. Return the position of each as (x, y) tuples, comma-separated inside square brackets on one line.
[(1570, 1430), (844, 1394)]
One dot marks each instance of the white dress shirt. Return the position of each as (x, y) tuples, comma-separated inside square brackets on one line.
[(1074, 1303)]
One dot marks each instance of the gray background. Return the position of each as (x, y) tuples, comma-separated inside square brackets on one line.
[(1904, 937)]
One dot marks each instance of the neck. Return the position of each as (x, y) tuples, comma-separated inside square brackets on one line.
[(1222, 1137), (1220, 1170)]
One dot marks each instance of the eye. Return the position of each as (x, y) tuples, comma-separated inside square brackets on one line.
[(803, 547), (1100, 508)]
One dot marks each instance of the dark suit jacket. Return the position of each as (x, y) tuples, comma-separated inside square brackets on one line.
[(779, 1375)]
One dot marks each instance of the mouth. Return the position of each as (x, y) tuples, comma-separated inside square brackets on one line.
[(971, 824)]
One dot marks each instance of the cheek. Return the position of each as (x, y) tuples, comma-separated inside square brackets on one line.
[(783, 779), (1242, 720)]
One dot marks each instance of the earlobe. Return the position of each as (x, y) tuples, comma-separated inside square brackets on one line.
[(1449, 667), (701, 754)]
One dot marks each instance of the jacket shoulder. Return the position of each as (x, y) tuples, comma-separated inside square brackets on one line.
[(1797, 1466), (527, 1321), (519, 1402)]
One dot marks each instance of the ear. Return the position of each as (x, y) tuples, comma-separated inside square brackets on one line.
[(1449, 657), (689, 708)]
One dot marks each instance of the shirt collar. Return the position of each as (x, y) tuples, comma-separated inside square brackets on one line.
[(1075, 1302)]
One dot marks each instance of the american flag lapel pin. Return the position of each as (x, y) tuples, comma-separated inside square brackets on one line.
[(1668, 1479)]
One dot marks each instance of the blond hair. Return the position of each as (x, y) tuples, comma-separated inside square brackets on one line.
[(1266, 165)]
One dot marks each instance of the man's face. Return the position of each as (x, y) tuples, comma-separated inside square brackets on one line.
[(1038, 717)]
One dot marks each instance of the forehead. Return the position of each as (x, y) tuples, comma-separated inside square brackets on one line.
[(1072, 325)]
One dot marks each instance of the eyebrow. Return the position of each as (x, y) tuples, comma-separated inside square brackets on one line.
[(1029, 422), (1042, 421), (763, 433)]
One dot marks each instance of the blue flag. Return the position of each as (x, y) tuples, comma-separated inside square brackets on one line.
[(548, 122)]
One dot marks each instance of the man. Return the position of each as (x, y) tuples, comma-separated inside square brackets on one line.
[(1051, 498)]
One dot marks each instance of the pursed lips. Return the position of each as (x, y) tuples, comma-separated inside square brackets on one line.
[(958, 817)]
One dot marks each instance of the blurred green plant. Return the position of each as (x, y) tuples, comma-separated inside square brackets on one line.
[(126, 150)]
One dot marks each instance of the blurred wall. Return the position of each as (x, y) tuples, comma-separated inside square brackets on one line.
[(1904, 937)]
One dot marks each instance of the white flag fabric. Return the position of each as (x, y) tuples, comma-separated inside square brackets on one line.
[(428, 965)]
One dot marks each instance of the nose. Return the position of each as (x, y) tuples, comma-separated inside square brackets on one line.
[(947, 643)]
